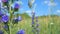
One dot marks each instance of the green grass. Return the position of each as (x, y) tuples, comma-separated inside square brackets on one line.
[(45, 25)]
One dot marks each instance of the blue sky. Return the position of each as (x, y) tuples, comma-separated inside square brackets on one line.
[(41, 7)]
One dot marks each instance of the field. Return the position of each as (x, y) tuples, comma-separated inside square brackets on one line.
[(47, 25)]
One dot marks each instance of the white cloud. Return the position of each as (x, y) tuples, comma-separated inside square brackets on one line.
[(28, 11), (52, 4), (45, 2), (49, 3), (58, 11)]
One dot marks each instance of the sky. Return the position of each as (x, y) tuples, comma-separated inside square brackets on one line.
[(40, 7)]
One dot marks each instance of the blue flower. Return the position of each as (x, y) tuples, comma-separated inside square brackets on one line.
[(33, 18), (15, 20), (5, 3), (37, 25), (37, 19), (4, 0), (16, 5), (1, 32), (5, 18), (33, 15), (32, 22), (21, 32)]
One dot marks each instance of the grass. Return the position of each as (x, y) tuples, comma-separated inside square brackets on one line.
[(45, 25)]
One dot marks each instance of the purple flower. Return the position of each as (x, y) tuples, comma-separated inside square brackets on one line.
[(1, 32), (33, 18), (21, 32), (33, 12), (33, 15), (4, 0), (17, 19), (16, 5), (37, 25), (32, 22), (5, 18), (37, 19)]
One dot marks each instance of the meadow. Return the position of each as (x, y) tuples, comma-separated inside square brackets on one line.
[(47, 25)]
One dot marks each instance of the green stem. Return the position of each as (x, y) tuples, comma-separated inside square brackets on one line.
[(10, 17)]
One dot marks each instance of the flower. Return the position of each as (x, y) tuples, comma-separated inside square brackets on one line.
[(15, 20), (36, 19), (33, 15), (32, 22), (16, 5), (1, 32), (37, 25), (21, 32), (5, 18), (4, 0)]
